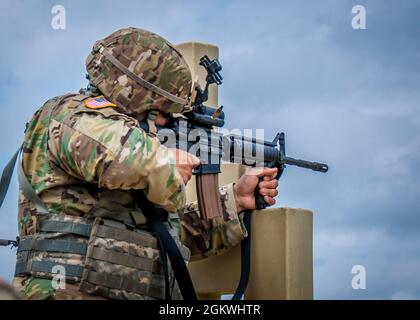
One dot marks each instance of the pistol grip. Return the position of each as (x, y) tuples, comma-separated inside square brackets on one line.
[(259, 199)]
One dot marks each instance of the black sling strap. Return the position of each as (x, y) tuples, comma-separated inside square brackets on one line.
[(245, 258), (169, 247), (164, 258), (6, 176), (246, 243)]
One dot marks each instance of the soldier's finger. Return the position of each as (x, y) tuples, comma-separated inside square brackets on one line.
[(269, 200), (268, 173), (272, 184), (269, 192), (187, 176), (254, 171), (194, 161)]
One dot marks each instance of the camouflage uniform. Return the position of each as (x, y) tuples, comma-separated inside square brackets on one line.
[(84, 155), (84, 161)]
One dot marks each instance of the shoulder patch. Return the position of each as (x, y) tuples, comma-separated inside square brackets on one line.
[(98, 103)]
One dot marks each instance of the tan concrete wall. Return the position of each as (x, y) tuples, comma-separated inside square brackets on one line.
[(192, 52), (281, 243), (281, 259)]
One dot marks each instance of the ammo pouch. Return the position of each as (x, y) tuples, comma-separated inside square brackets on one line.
[(105, 257)]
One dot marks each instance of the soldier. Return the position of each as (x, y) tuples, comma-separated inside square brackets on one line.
[(82, 234)]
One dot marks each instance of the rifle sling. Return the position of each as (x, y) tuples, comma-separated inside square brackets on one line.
[(6, 176), (169, 247), (245, 258)]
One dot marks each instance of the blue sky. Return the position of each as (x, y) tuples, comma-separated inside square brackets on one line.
[(346, 97)]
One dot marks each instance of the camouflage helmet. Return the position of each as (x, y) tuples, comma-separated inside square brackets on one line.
[(139, 71)]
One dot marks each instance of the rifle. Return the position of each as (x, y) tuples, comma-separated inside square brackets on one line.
[(195, 131)]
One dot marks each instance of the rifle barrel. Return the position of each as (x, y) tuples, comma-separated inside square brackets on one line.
[(316, 166)]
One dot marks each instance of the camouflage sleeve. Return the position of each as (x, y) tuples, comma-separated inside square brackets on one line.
[(212, 237), (116, 154)]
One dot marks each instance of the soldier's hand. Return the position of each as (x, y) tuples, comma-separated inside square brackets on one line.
[(244, 188), (185, 163)]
